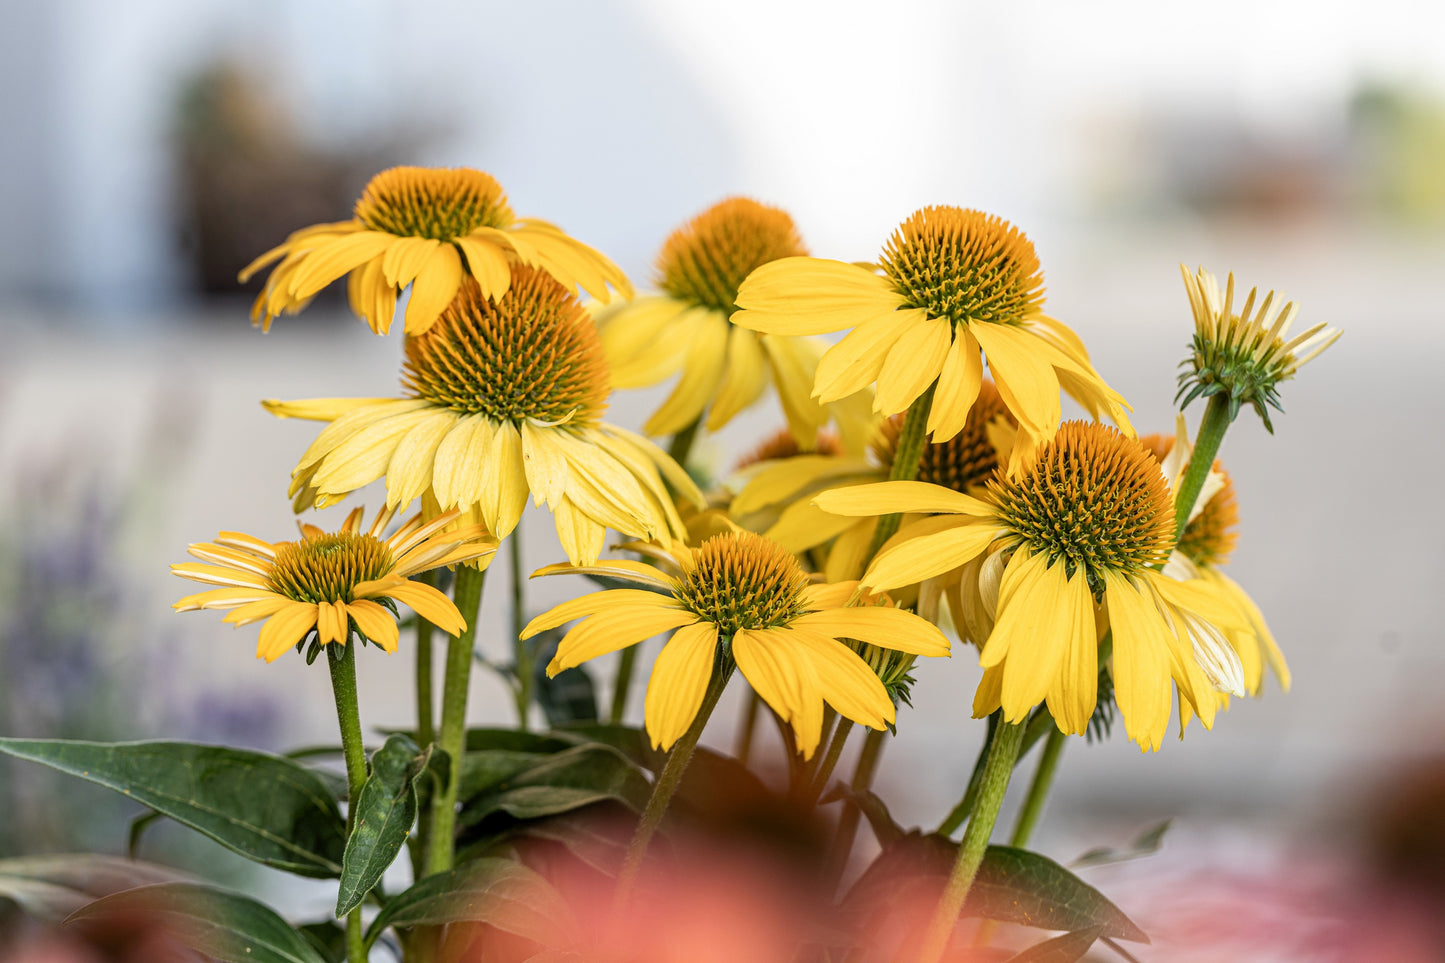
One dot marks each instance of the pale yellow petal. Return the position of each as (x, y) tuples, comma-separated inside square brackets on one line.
[(806, 295), (744, 379), (405, 258), (613, 628), (1024, 376), (888, 497), (702, 372), (375, 622), (425, 600), (581, 536), (794, 363), (409, 470), (545, 465), (594, 602)]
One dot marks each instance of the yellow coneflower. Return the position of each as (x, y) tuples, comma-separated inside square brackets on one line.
[(1204, 548), (781, 493), (333, 583), (751, 597), (685, 328), (955, 283), (1082, 525), (505, 397), (428, 228), (1243, 356)]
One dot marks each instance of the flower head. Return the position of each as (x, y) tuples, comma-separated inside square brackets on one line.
[(333, 583), (1077, 533), (1243, 355), (685, 328), (740, 596), (954, 285), (504, 397), (428, 228)]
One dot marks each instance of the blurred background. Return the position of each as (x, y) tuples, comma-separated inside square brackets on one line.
[(150, 149)]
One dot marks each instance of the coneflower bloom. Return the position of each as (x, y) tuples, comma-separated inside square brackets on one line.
[(685, 328), (504, 398), (333, 583), (1083, 525), (1243, 355), (954, 285), (782, 491), (427, 228), (742, 597)]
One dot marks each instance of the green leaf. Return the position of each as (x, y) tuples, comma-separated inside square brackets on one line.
[(264, 807), (569, 696), (385, 812), (52, 887), (1061, 949), (516, 740), (214, 922), (328, 938), (560, 782), (500, 892), (1012, 885), (489, 767), (1149, 841)]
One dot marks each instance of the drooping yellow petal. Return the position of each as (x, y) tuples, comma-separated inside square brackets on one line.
[(914, 362), (784, 480), (989, 695), (640, 339), (678, 683), (409, 471), (702, 371), (375, 622), (807, 295), (879, 625), (581, 536), (405, 259), (1022, 372), (793, 363), (854, 363), (257, 610), (425, 600), (284, 629), (849, 554), (845, 680), (331, 260), (958, 386), (461, 461), (435, 286), (613, 628), (331, 623), (888, 497), (487, 263), (1141, 661), (744, 378), (363, 458), (783, 681), (511, 481), (642, 452), (1272, 652), (1073, 691), (802, 525)]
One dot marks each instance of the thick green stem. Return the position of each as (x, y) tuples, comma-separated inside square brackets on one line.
[(348, 717), (965, 805), (906, 458), (521, 651), (863, 773), (1206, 446), (425, 707), (681, 445), (1043, 781), (996, 772), (749, 727), (622, 685), (452, 739), (668, 780), (830, 761)]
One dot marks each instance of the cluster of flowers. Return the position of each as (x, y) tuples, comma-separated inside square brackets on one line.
[(909, 492)]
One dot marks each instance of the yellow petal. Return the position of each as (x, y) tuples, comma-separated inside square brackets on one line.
[(889, 497), (595, 602), (331, 624), (793, 363), (487, 263), (625, 569), (844, 680), (784, 681), (364, 457), (511, 481), (878, 625), (958, 386), (1073, 692), (807, 295), (784, 480), (332, 259), (405, 258), (221, 598), (434, 288), (1022, 372), (854, 362), (678, 683), (613, 628), (425, 600), (1037, 624), (744, 378), (460, 461), (545, 465), (642, 349), (913, 363), (375, 622), (409, 470), (257, 610), (285, 629), (581, 536), (702, 370), (220, 575), (803, 525)]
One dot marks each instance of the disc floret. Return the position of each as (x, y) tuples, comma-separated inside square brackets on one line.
[(965, 266), (325, 567), (531, 354), (739, 580), (704, 261), (437, 203), (1094, 500)]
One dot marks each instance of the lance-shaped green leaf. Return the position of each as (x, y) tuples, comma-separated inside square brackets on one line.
[(385, 812), (1012, 885), (561, 782), (267, 808), (214, 922), (1068, 948), (52, 887), (1147, 842), (500, 892)]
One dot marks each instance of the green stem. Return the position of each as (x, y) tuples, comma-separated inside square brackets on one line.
[(830, 761), (863, 774), (1043, 781), (622, 685), (425, 707), (668, 781), (521, 651), (906, 458), (467, 593), (348, 717), (681, 445), (965, 805), (1206, 446), (996, 773), (749, 728)]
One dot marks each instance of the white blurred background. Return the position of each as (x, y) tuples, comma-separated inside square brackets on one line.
[(149, 149)]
